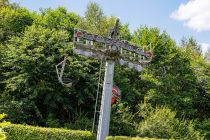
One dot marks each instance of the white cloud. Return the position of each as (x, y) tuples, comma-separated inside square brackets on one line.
[(204, 47), (195, 14)]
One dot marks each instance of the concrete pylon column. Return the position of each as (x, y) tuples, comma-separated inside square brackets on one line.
[(105, 110)]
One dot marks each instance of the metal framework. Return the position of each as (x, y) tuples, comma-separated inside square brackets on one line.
[(120, 51), (113, 51)]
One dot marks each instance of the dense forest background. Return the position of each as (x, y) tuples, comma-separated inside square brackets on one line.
[(169, 99)]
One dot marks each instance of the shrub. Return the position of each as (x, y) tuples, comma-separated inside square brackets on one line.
[(129, 138), (204, 128), (122, 123), (25, 132), (161, 123), (2, 124), (81, 122)]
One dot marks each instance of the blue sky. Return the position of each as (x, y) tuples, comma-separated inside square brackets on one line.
[(186, 20)]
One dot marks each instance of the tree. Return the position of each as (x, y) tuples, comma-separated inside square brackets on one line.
[(13, 21), (31, 78), (169, 80), (161, 123), (191, 47), (200, 68), (95, 21), (4, 3), (207, 55), (59, 19), (177, 77)]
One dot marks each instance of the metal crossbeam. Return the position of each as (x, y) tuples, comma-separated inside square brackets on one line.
[(119, 51), (81, 35)]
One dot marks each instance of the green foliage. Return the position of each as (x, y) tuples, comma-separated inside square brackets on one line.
[(171, 79), (59, 19), (200, 68), (207, 55), (33, 43), (129, 138), (80, 122), (161, 123), (2, 125), (24, 79), (204, 128), (95, 21), (191, 47), (2, 50), (31, 76), (17, 111), (124, 32), (21, 132), (122, 122), (52, 121), (4, 3), (13, 21)]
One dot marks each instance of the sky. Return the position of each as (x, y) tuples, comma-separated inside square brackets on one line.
[(179, 18)]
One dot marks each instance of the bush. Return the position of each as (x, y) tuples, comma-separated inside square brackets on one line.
[(204, 128), (25, 132), (161, 123), (122, 123), (2, 124), (81, 122), (129, 138)]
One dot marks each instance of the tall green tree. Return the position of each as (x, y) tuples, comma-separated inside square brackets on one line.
[(207, 55), (31, 80), (30, 93), (13, 21), (200, 67), (31, 77), (191, 46), (170, 79), (95, 21), (8, 3), (59, 19)]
